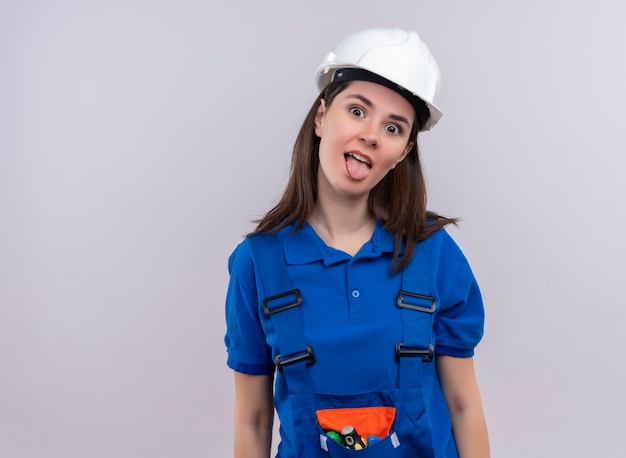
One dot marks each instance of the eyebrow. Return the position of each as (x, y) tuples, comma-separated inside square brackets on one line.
[(367, 102)]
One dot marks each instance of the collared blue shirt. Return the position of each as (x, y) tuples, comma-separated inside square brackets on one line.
[(351, 320)]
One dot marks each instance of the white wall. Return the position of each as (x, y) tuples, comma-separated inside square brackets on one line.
[(138, 139)]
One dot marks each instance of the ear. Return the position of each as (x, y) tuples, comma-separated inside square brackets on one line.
[(319, 115)]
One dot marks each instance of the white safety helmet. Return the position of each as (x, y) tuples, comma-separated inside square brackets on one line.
[(396, 58)]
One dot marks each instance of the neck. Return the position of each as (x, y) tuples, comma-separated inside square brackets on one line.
[(343, 224)]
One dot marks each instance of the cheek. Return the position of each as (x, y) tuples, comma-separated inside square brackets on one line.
[(324, 151), (395, 158), (328, 142)]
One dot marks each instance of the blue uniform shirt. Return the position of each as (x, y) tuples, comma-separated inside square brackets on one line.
[(351, 320)]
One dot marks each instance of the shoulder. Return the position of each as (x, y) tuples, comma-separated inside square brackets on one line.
[(252, 249), (448, 258), (443, 244), (242, 261), (239, 255)]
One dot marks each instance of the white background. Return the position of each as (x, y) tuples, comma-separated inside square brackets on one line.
[(139, 138)]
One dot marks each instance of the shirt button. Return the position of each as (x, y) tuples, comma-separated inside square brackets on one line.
[(356, 293)]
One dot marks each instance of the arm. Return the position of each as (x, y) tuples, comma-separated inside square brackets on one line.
[(460, 388), (254, 415)]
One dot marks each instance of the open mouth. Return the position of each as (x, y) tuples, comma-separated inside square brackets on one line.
[(358, 166), (358, 158)]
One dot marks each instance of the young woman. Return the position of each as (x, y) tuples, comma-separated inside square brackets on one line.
[(350, 310)]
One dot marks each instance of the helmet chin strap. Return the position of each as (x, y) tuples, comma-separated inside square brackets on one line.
[(422, 112)]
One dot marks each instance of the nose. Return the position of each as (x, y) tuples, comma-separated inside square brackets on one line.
[(369, 135)]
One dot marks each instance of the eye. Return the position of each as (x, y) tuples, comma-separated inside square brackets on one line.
[(393, 129), (357, 111)]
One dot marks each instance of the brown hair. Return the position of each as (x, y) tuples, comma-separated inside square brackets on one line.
[(398, 200)]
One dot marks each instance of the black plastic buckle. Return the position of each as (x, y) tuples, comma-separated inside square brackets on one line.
[(280, 308), (307, 354), (426, 308), (425, 354)]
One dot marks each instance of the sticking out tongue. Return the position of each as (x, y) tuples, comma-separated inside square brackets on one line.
[(356, 169)]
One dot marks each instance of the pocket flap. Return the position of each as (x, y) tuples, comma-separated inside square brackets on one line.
[(368, 421)]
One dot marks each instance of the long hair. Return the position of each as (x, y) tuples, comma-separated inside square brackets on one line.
[(398, 200)]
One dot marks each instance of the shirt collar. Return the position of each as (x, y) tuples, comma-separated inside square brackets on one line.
[(304, 246)]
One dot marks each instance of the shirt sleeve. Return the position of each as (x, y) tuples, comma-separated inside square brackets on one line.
[(459, 324), (245, 341)]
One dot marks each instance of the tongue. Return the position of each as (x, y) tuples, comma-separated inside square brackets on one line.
[(356, 169)]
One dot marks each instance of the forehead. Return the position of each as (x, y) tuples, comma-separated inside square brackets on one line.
[(382, 98)]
